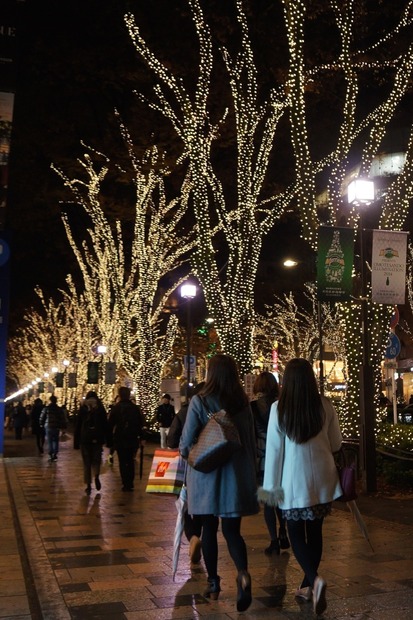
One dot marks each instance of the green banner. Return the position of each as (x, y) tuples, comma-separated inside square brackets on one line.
[(334, 263)]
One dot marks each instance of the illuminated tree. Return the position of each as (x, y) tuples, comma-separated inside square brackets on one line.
[(124, 266), (294, 326), (229, 298), (55, 332), (342, 83)]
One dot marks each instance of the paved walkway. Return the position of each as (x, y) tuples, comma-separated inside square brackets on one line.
[(108, 556)]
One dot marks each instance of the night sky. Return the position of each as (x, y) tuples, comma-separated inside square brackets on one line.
[(75, 64)]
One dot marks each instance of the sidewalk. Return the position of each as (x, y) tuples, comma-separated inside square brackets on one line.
[(108, 556)]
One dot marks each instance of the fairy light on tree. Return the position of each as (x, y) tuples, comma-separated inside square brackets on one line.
[(123, 283)]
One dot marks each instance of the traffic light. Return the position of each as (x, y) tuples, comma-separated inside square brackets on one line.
[(93, 372), (110, 373), (59, 379)]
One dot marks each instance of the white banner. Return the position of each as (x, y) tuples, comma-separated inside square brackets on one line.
[(388, 276)]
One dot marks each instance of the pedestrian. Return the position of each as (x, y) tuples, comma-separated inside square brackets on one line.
[(89, 436), (300, 473), (165, 413), (126, 431), (229, 492), (19, 419), (112, 448), (37, 430), (265, 389), (53, 420), (192, 524)]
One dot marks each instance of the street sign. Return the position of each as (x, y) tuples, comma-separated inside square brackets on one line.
[(393, 346), (192, 364)]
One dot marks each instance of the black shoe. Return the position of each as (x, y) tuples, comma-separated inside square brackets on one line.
[(88, 490), (97, 483), (244, 596), (273, 547), (283, 540), (130, 489), (54, 458), (213, 588)]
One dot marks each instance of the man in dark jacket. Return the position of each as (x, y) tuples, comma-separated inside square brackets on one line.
[(53, 420), (90, 435), (36, 428), (126, 430), (164, 416)]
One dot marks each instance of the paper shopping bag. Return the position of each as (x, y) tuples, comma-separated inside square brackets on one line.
[(167, 472)]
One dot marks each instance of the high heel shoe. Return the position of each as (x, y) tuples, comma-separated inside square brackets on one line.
[(213, 588), (244, 596)]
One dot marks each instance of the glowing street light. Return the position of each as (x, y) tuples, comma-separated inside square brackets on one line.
[(188, 292)]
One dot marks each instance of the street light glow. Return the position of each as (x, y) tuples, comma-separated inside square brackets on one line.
[(290, 262), (188, 290), (360, 192)]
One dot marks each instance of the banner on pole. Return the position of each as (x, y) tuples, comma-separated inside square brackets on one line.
[(388, 270), (334, 263)]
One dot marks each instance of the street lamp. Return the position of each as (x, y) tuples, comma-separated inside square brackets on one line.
[(188, 292), (361, 193)]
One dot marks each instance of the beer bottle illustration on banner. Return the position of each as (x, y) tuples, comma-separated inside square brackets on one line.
[(334, 261)]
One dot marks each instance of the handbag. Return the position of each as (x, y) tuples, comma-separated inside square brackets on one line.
[(167, 472), (347, 477), (217, 442)]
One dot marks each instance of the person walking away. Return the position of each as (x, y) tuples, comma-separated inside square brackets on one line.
[(89, 436), (19, 419), (165, 413), (112, 449), (37, 430), (229, 492), (53, 420), (126, 431), (265, 389), (300, 474), (192, 524)]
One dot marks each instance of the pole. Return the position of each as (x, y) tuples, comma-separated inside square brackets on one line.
[(188, 348), (367, 414), (320, 346)]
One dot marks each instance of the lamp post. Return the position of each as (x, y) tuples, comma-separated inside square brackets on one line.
[(188, 292), (361, 193), (101, 349)]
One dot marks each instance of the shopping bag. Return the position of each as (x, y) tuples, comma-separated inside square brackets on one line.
[(167, 472), (347, 476)]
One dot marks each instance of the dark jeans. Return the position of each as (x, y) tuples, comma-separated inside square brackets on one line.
[(18, 431), (306, 538), (126, 456), (40, 437), (53, 440), (231, 530), (92, 456)]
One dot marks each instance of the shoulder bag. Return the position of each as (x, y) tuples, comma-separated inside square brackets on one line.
[(347, 476), (217, 442)]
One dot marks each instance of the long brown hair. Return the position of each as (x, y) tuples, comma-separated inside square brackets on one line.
[(300, 412), (224, 383)]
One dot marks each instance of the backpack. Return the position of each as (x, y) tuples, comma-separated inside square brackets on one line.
[(90, 428)]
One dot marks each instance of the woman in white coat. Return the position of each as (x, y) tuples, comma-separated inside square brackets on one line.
[(300, 475)]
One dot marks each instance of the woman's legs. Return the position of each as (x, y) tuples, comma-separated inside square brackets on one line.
[(210, 544), (231, 530), (271, 521), (306, 538)]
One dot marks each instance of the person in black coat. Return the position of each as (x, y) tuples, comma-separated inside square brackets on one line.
[(19, 420), (165, 414), (90, 435), (36, 428), (266, 393), (126, 431)]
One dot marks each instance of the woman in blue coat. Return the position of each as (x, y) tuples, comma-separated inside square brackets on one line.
[(228, 492)]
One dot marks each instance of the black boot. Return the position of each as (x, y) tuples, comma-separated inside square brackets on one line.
[(213, 588), (244, 596), (274, 547), (283, 539)]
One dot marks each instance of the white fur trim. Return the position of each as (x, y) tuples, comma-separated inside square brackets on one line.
[(272, 498)]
